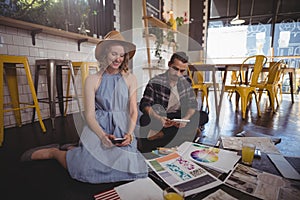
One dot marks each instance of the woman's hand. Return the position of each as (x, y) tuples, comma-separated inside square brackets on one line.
[(106, 140), (128, 139)]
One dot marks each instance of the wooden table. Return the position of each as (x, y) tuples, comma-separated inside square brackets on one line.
[(233, 67)]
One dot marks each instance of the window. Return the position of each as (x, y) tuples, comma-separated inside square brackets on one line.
[(232, 43)]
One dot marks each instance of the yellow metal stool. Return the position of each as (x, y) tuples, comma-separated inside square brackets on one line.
[(85, 69), (9, 65)]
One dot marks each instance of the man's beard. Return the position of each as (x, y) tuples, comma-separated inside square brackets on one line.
[(174, 77)]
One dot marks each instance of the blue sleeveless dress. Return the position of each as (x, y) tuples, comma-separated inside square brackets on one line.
[(93, 162)]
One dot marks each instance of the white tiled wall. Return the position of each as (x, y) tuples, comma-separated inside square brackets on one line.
[(19, 42), (117, 14), (14, 41)]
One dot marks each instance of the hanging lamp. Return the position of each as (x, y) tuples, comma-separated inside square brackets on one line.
[(237, 20)]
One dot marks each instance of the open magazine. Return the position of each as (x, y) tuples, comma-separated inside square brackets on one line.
[(262, 184), (183, 174)]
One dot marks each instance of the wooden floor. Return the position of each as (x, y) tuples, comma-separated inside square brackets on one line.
[(284, 123), (48, 180)]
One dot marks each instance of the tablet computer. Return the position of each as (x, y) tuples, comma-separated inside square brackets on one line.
[(181, 120)]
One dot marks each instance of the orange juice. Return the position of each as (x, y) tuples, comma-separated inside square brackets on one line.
[(172, 196), (248, 153)]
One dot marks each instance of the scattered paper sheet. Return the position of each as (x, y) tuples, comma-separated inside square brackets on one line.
[(284, 167), (107, 195), (262, 184), (263, 143), (215, 158), (219, 195), (142, 189), (183, 174)]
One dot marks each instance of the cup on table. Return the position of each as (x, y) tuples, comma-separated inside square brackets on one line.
[(248, 150), (171, 193)]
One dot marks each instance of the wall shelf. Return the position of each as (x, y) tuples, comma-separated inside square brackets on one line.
[(156, 22), (36, 29), (150, 21)]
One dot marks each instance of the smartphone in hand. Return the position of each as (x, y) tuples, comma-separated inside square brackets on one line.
[(117, 140)]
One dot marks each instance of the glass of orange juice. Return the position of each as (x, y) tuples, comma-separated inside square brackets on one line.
[(171, 193), (248, 150)]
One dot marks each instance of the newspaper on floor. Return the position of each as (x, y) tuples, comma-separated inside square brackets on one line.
[(263, 143), (181, 173), (219, 195), (262, 184)]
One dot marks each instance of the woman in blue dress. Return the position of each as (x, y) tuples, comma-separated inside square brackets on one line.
[(111, 112)]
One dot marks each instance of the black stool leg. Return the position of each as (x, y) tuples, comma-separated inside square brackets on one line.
[(59, 88), (36, 84)]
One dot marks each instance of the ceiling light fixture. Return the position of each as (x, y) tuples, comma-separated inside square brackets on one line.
[(237, 20)]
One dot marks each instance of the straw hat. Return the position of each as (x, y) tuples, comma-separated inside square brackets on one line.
[(114, 36)]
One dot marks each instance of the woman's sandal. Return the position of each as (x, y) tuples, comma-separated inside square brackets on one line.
[(26, 156), (66, 147)]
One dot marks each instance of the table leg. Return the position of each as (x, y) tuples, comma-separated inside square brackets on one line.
[(216, 100), (291, 85)]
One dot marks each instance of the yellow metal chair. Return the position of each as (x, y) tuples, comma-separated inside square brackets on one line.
[(85, 69), (237, 78), (271, 84), (8, 68), (233, 82), (199, 85), (244, 91)]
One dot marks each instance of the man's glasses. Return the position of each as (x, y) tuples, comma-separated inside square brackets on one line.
[(177, 69)]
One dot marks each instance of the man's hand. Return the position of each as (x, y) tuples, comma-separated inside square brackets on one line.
[(170, 123), (180, 124), (166, 122)]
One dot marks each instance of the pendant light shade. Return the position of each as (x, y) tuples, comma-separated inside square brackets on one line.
[(237, 20)]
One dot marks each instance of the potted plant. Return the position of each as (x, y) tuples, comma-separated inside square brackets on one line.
[(162, 38)]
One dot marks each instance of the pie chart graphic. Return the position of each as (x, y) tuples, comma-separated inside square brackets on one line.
[(204, 155)]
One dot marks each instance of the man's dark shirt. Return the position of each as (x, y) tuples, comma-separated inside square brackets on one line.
[(158, 92)]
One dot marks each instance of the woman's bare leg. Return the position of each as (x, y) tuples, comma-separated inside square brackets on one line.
[(51, 153), (60, 156)]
